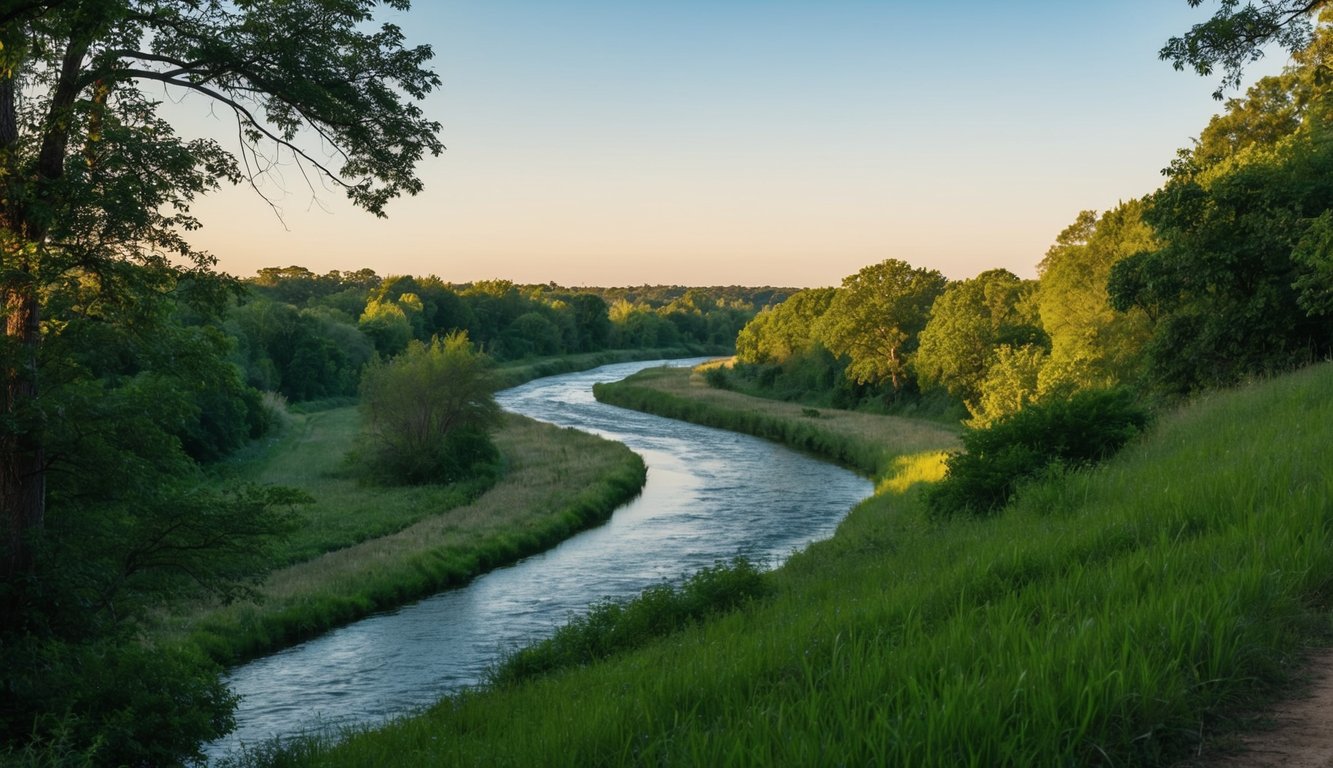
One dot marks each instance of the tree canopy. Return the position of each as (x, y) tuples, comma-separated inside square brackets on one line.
[(97, 185), (1236, 34), (108, 397), (875, 317)]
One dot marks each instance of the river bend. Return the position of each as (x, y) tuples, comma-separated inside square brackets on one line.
[(710, 495)]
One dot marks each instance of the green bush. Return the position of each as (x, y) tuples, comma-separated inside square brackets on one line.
[(1078, 431), (108, 702), (427, 415)]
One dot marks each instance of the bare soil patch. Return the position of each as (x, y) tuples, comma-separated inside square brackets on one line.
[(1301, 732)]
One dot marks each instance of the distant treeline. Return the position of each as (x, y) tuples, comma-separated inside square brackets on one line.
[(307, 336)]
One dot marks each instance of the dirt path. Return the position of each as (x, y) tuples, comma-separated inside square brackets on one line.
[(1302, 732)]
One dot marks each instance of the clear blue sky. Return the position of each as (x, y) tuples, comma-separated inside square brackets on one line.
[(781, 143)]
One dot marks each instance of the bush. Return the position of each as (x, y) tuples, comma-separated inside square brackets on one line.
[(428, 414), (1074, 432), (108, 702)]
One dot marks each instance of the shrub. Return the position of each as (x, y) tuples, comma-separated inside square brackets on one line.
[(1078, 431), (427, 415)]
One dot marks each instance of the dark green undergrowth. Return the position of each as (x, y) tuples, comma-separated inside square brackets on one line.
[(616, 626), (1118, 615), (809, 435), (1072, 432)]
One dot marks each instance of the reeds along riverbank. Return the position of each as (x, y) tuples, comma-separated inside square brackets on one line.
[(1112, 617), (375, 548)]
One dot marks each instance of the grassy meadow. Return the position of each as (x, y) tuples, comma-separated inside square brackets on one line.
[(367, 548), (1124, 615)]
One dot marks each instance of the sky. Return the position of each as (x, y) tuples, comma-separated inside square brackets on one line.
[(749, 142)]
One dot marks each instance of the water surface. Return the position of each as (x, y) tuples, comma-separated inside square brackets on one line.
[(710, 495)]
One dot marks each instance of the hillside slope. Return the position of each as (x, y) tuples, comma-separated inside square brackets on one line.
[(1109, 617)]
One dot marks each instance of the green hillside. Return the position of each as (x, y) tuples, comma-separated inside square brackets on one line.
[(1110, 617)]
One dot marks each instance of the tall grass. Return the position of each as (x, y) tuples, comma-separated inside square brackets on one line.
[(1109, 617)]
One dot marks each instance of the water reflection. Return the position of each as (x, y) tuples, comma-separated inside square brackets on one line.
[(710, 495)]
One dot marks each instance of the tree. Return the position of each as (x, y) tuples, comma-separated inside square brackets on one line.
[(969, 321), (1237, 282), (875, 317), (1092, 344), (426, 413), (778, 333), (93, 178), (1227, 289), (1235, 36)]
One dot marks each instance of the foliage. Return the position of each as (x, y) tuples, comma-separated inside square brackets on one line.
[(112, 387), (1013, 382), (1235, 36), (875, 317), (781, 332), (111, 700), (1076, 432), (427, 414), (1227, 290), (1119, 616), (1092, 344), (613, 627), (968, 323)]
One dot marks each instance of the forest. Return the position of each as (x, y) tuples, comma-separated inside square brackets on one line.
[(132, 367)]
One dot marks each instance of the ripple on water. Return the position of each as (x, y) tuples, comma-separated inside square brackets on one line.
[(710, 495)]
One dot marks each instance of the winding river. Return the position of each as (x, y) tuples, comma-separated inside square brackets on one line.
[(710, 495)]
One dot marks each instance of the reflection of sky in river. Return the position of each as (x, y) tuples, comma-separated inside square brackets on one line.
[(710, 495)]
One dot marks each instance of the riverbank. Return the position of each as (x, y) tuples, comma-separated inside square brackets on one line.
[(365, 549), (1118, 616), (888, 448)]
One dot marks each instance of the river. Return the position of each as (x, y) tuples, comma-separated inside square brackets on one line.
[(710, 495)]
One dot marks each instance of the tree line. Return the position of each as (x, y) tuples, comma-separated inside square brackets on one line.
[(1224, 272), (308, 336)]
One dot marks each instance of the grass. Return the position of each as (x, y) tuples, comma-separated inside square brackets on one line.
[(874, 444), (511, 374), (1116, 616), (309, 454), (368, 548)]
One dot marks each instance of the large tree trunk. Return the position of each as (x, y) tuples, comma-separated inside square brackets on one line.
[(22, 463), (22, 482), (23, 232)]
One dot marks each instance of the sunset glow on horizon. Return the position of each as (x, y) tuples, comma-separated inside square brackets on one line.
[(782, 143)]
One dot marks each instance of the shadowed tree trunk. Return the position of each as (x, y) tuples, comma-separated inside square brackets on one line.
[(23, 231)]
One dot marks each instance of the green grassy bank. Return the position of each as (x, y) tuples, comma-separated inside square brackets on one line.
[(518, 372), (1112, 617), (888, 447), (366, 548)]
